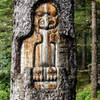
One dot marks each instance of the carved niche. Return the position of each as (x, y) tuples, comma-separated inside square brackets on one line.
[(40, 50)]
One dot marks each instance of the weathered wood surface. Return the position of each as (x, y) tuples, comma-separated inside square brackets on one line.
[(99, 76), (22, 83), (94, 51)]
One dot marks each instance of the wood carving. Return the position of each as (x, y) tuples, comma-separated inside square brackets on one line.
[(40, 48), (43, 50)]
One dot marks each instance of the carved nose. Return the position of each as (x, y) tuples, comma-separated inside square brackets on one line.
[(46, 20), (51, 22)]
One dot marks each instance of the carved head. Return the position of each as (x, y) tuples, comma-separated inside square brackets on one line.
[(46, 16)]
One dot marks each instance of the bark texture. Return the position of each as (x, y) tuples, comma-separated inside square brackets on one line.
[(84, 51), (22, 82), (94, 52)]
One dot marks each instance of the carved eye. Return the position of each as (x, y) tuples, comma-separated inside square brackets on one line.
[(41, 22)]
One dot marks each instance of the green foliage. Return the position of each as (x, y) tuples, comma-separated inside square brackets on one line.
[(5, 47), (82, 80), (83, 25), (4, 84), (4, 95), (85, 94), (84, 87)]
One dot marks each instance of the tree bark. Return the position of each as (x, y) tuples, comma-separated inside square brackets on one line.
[(84, 41), (94, 52), (22, 69), (84, 51)]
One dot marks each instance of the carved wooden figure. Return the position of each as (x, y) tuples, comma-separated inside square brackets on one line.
[(39, 51), (43, 51)]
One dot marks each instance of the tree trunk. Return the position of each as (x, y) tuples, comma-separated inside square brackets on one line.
[(94, 52), (84, 52), (84, 41), (43, 51)]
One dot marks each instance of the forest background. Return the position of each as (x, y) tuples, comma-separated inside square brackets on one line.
[(83, 37)]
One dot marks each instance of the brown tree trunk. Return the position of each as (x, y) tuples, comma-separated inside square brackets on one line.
[(84, 41), (94, 52), (84, 51), (43, 51)]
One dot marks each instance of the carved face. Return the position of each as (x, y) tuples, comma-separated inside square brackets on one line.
[(46, 16)]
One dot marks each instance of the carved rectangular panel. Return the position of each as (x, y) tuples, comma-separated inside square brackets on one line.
[(45, 77), (45, 74)]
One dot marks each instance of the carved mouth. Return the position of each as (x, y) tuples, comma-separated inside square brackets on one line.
[(47, 28)]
